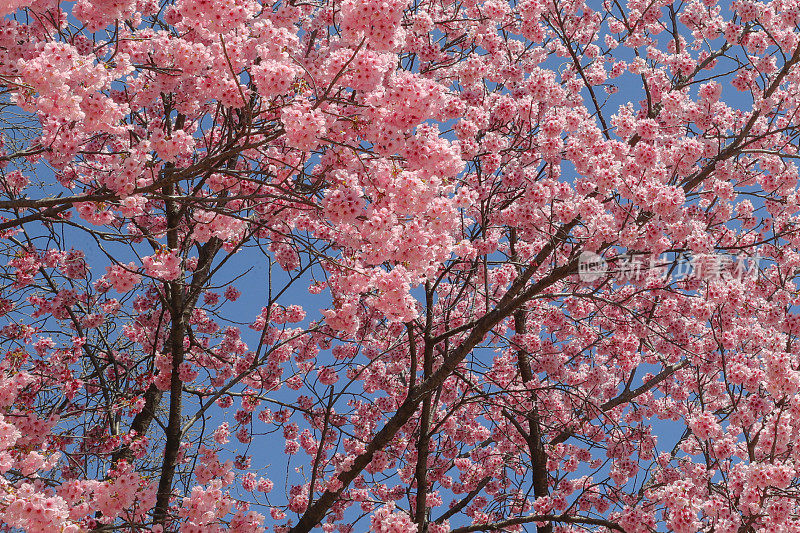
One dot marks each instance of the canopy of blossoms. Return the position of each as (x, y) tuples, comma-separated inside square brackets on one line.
[(399, 266)]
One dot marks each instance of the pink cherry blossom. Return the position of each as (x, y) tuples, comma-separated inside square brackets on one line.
[(512, 266), (163, 265)]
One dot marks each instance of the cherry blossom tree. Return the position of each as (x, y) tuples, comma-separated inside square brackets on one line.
[(399, 266)]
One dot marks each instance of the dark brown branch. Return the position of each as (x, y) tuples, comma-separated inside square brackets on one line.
[(565, 519), (141, 422), (629, 395), (421, 510), (534, 436), (178, 332), (464, 501)]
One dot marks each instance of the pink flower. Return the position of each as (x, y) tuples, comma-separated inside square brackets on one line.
[(232, 293), (303, 126), (273, 77), (123, 277), (384, 520), (342, 319), (163, 265), (328, 376)]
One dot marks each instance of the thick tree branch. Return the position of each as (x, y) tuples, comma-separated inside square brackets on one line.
[(564, 519)]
